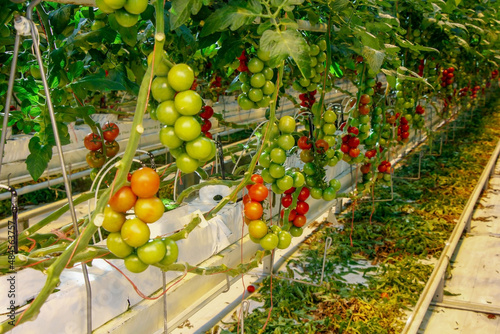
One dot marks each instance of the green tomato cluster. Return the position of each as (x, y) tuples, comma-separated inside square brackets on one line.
[(275, 154), (317, 61), (177, 111), (256, 85), (126, 12)]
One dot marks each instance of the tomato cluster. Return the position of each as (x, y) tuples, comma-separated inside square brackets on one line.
[(125, 12), (177, 110), (420, 110), (256, 84), (297, 214), (317, 57), (307, 99), (129, 237), (447, 77), (403, 129), (206, 114), (257, 193), (384, 171), (94, 143), (274, 156)]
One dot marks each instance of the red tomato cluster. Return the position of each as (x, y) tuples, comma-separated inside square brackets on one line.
[(307, 99), (370, 153), (364, 104), (447, 77), (403, 129), (494, 74), (257, 193), (243, 62), (296, 216), (206, 114), (130, 237), (350, 142), (385, 167), (420, 110), (93, 142)]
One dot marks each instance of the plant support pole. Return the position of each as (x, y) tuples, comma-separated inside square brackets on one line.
[(50, 107)]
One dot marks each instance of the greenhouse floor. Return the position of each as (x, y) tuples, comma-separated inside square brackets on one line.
[(471, 302)]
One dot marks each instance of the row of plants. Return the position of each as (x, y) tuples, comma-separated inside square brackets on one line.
[(177, 59), (388, 245)]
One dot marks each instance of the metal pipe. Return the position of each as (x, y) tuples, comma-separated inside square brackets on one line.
[(415, 319), (9, 95)]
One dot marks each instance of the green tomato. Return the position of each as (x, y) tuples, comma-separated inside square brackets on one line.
[(186, 163), (187, 128), (329, 194), (287, 124), (333, 162), (284, 239), (255, 65), (335, 184), (298, 179), (296, 231), (268, 73), (245, 103), (277, 190), (278, 155), (255, 94), (285, 183), (266, 176), (263, 55), (258, 80), (161, 89), (169, 138), (314, 50), (330, 116), (329, 129), (316, 193), (125, 19), (152, 251), (311, 181), (243, 77), (136, 6), (181, 77), (200, 148), (118, 246), (134, 264), (265, 102), (268, 88), (167, 113), (269, 242), (171, 252), (276, 171), (115, 4), (286, 142), (188, 102), (309, 168)]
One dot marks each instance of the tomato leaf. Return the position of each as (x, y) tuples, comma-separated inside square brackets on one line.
[(38, 159), (60, 18), (338, 5), (128, 35), (288, 43), (181, 11), (374, 58), (94, 83), (232, 17)]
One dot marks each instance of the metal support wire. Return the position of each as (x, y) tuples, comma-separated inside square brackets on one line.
[(420, 154), (328, 244), (165, 314), (245, 308)]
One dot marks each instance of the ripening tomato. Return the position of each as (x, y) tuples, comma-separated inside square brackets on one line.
[(123, 200), (257, 229), (258, 192), (149, 209), (110, 131), (118, 246), (257, 178), (92, 142), (135, 232), (253, 210), (299, 220), (207, 112), (112, 148), (95, 159), (321, 145), (113, 220), (246, 199), (134, 264), (145, 182)]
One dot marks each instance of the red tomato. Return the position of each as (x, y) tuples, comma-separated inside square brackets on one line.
[(291, 215), (208, 135), (206, 126), (354, 152), (299, 220), (304, 143), (286, 201), (246, 199), (92, 142), (353, 142), (304, 194), (250, 288), (290, 191), (253, 210), (257, 179), (123, 200), (344, 148), (354, 130), (370, 154), (207, 112), (145, 182), (302, 208), (110, 131), (258, 192)]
